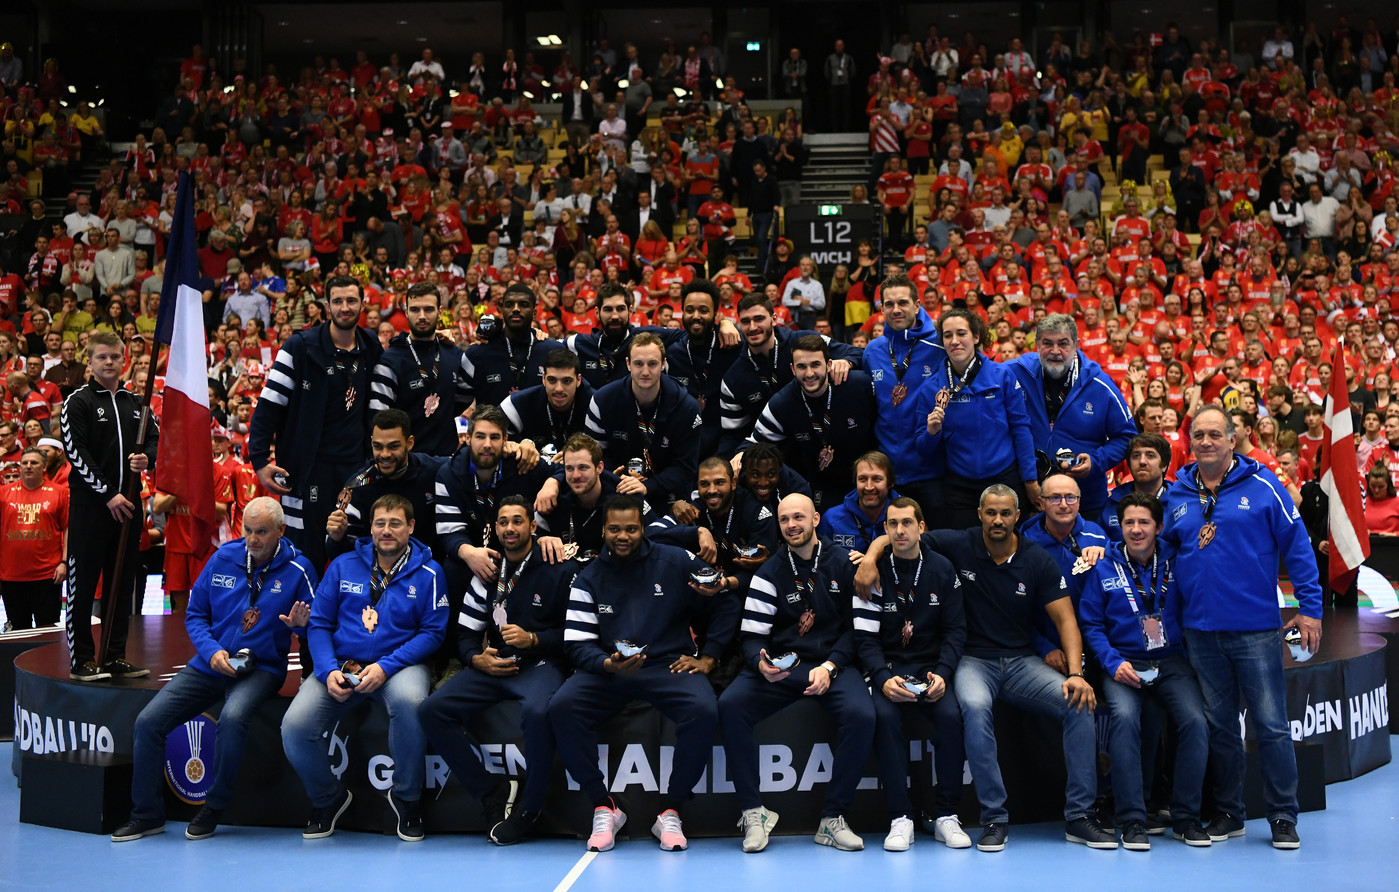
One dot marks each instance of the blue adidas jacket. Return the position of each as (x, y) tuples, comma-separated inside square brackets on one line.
[(985, 428), (1085, 534), (1094, 419), (895, 423), (214, 617), (1230, 585), (1105, 617), (412, 612), (847, 526)]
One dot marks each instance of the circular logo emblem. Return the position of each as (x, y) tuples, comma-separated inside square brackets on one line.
[(189, 751)]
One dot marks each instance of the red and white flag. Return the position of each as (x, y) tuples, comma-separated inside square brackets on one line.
[(185, 456), (1347, 531)]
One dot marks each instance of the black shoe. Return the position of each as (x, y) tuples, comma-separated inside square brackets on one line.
[(89, 671), (1134, 837), (410, 818), (1224, 826), (137, 828), (204, 823), (322, 822), (1087, 831), (500, 802), (993, 838), (1192, 834), (122, 669), (1156, 825), (1285, 834), (513, 829)]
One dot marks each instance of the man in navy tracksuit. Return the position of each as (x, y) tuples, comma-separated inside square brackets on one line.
[(859, 519), (1229, 521), (638, 594), (1074, 543), (511, 648), (379, 614), (913, 627), (764, 368), (900, 361), (577, 518), (1074, 405), (1130, 614), (249, 597), (1148, 457), (422, 376), (514, 358), (604, 352), (548, 414), (314, 409), (649, 417), (798, 603), (700, 360), (821, 426)]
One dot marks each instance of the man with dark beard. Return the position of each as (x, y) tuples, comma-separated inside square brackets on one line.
[(699, 361), (422, 376), (511, 360)]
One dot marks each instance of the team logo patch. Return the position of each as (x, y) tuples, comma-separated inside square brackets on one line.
[(660, 592), (1243, 503), (189, 759), (538, 602), (764, 513), (1020, 589), (604, 608), (1179, 512), (351, 588), (493, 379), (276, 586), (891, 607), (877, 375), (970, 575), (413, 591), (794, 598), (221, 580), (1087, 408), (933, 599)]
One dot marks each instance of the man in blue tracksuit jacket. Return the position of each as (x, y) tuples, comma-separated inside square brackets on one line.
[(1074, 405), (859, 519), (1230, 521), (639, 593), (251, 594), (907, 354), (379, 613), (1061, 530)]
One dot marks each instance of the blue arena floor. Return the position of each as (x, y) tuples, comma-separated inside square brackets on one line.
[(1353, 845)]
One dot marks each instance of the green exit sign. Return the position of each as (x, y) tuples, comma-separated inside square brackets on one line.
[(754, 46), (830, 210)]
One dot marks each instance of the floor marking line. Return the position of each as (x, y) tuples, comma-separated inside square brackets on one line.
[(567, 882)]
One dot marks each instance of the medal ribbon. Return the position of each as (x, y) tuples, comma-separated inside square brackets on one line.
[(824, 426), (808, 588), (423, 372), (257, 580), (504, 588), (485, 501), (701, 373), (956, 385), (903, 597), (379, 578), (1150, 596), (769, 380), (515, 366), (900, 368)]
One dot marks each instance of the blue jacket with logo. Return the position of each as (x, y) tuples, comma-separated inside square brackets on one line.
[(848, 526), (1085, 533), (1230, 585), (1108, 519), (895, 423), (412, 612), (985, 428), (1105, 617), (1094, 419), (219, 599)]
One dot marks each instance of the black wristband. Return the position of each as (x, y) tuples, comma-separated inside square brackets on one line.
[(1076, 675)]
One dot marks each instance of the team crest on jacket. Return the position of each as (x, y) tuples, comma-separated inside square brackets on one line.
[(1087, 408), (1243, 503), (538, 602), (932, 599), (659, 591), (1020, 589)]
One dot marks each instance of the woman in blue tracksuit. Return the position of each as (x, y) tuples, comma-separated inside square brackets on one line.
[(977, 428)]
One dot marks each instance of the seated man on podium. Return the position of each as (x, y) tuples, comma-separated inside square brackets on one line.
[(241, 611), (379, 614)]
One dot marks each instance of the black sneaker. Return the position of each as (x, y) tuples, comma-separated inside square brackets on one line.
[(410, 818), (1285, 834), (993, 838), (513, 829), (1192, 834), (322, 822), (1156, 825), (137, 828), (122, 669), (499, 803), (1134, 837), (89, 671), (1224, 826), (1087, 831), (204, 823)]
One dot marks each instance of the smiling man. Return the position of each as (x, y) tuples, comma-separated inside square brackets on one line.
[(514, 358), (859, 519), (700, 360), (548, 414)]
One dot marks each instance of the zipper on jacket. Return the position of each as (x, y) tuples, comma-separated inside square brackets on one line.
[(121, 446)]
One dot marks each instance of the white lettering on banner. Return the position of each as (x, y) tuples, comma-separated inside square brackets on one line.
[(1369, 711), (775, 773), (828, 257), (818, 767), (42, 734), (1317, 718)]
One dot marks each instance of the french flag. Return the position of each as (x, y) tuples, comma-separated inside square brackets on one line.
[(185, 457)]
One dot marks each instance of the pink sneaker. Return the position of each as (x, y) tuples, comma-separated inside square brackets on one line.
[(668, 830), (606, 823)]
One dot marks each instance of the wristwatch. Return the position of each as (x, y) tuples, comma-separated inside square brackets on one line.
[(831, 668)]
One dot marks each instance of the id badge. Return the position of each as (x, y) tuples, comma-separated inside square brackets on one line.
[(1153, 631)]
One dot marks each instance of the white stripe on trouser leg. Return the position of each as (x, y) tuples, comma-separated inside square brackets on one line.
[(68, 607)]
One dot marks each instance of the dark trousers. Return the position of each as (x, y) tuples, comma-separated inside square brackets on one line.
[(95, 536), (445, 714), (891, 748), (928, 495), (752, 698), (840, 108), (587, 699), (962, 495), (29, 605), (310, 504)]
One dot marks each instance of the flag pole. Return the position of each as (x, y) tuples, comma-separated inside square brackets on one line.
[(110, 585)]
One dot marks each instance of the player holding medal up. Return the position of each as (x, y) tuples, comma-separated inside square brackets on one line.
[(1130, 614)]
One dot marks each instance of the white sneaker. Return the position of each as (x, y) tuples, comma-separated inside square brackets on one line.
[(900, 836), (949, 830), (836, 832), (756, 824), (669, 831)]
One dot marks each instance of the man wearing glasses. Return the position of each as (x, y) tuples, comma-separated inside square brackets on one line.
[(1074, 543)]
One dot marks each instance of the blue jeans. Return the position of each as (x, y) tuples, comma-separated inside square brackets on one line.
[(1027, 683), (185, 696), (1228, 663), (1176, 690), (312, 712)]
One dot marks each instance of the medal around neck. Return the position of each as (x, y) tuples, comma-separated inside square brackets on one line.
[(627, 648), (784, 662), (915, 685), (1293, 639)]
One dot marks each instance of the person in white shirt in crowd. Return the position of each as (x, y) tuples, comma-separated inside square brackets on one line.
[(805, 296), (1306, 158), (1319, 215)]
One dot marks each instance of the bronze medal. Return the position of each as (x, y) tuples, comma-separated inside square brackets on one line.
[(826, 457), (943, 397), (350, 395), (807, 620), (250, 617), (370, 617), (907, 635), (900, 392), (342, 501), (570, 551), (700, 399), (430, 404), (1206, 534)]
